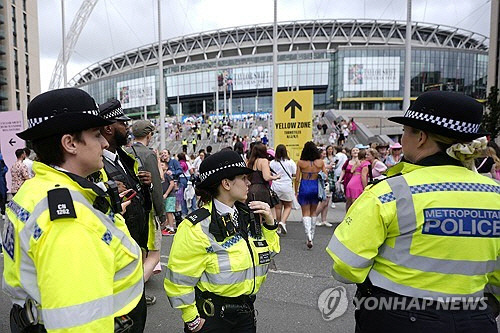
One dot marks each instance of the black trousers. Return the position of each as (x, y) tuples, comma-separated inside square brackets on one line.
[(422, 320), (244, 322), (138, 315), (3, 201)]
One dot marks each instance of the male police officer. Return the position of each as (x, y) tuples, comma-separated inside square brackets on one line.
[(427, 238), (70, 264), (122, 167)]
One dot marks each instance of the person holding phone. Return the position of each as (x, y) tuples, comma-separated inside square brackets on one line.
[(123, 168), (221, 252)]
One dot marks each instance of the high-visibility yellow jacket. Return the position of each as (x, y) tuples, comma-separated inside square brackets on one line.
[(431, 232), (224, 268), (80, 265)]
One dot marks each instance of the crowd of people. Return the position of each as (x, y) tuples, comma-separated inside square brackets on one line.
[(226, 209)]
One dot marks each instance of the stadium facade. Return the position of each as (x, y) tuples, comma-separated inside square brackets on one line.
[(350, 64)]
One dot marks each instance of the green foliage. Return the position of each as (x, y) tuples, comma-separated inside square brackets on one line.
[(491, 118)]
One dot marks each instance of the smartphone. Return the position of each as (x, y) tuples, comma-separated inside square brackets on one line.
[(130, 194)]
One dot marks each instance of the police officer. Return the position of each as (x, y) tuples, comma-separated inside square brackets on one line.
[(427, 238), (124, 168), (184, 145), (194, 142), (70, 263), (221, 252)]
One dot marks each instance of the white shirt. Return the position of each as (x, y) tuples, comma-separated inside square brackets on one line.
[(29, 165), (285, 179), (110, 156), (341, 158), (196, 164), (333, 138), (222, 208)]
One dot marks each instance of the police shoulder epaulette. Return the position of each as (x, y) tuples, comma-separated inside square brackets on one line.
[(60, 204), (198, 215)]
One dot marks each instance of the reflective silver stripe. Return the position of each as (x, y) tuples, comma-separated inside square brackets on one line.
[(492, 289), (17, 294), (347, 256), (185, 299), (124, 297), (180, 279), (27, 271), (381, 281), (222, 255), (127, 270), (407, 224), (339, 277), (229, 277), (77, 315)]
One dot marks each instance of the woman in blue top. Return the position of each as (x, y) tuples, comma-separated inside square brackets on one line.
[(308, 167)]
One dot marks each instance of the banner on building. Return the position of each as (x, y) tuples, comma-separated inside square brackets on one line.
[(252, 78), (225, 80), (293, 125), (371, 73), (11, 122), (137, 92)]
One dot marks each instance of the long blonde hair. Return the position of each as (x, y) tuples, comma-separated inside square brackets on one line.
[(491, 152), (465, 152)]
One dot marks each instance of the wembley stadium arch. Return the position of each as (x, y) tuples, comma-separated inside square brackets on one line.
[(350, 64)]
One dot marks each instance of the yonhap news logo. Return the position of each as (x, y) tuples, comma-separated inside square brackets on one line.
[(332, 303)]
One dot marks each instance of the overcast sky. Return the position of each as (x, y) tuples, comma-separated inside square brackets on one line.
[(119, 25)]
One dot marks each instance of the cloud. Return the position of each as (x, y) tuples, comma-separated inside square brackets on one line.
[(116, 26)]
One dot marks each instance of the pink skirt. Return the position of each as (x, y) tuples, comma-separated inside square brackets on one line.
[(354, 188)]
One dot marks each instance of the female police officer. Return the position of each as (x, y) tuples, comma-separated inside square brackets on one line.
[(220, 253), (70, 265), (424, 243)]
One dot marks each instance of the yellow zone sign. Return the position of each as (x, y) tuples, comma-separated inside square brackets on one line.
[(293, 123)]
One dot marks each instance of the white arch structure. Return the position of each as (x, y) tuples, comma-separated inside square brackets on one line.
[(81, 18)]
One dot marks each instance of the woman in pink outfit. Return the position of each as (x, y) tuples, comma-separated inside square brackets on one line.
[(359, 179)]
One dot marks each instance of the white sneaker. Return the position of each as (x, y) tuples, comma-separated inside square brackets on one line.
[(283, 228), (319, 224), (327, 224), (333, 205)]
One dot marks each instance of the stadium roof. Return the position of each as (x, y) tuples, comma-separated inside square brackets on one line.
[(253, 40)]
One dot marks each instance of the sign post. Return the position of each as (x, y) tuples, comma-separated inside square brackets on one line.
[(11, 122), (293, 124)]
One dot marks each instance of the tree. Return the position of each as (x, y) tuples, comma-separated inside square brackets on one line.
[(491, 119)]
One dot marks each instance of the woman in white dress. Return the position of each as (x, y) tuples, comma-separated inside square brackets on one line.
[(286, 168)]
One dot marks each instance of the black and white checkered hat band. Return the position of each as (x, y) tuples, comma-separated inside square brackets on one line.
[(452, 124), (32, 122), (115, 113), (205, 175)]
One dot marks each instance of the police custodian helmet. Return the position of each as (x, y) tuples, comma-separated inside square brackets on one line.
[(221, 165), (451, 114)]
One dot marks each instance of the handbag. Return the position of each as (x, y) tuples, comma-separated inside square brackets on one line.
[(338, 194), (275, 200), (321, 186)]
